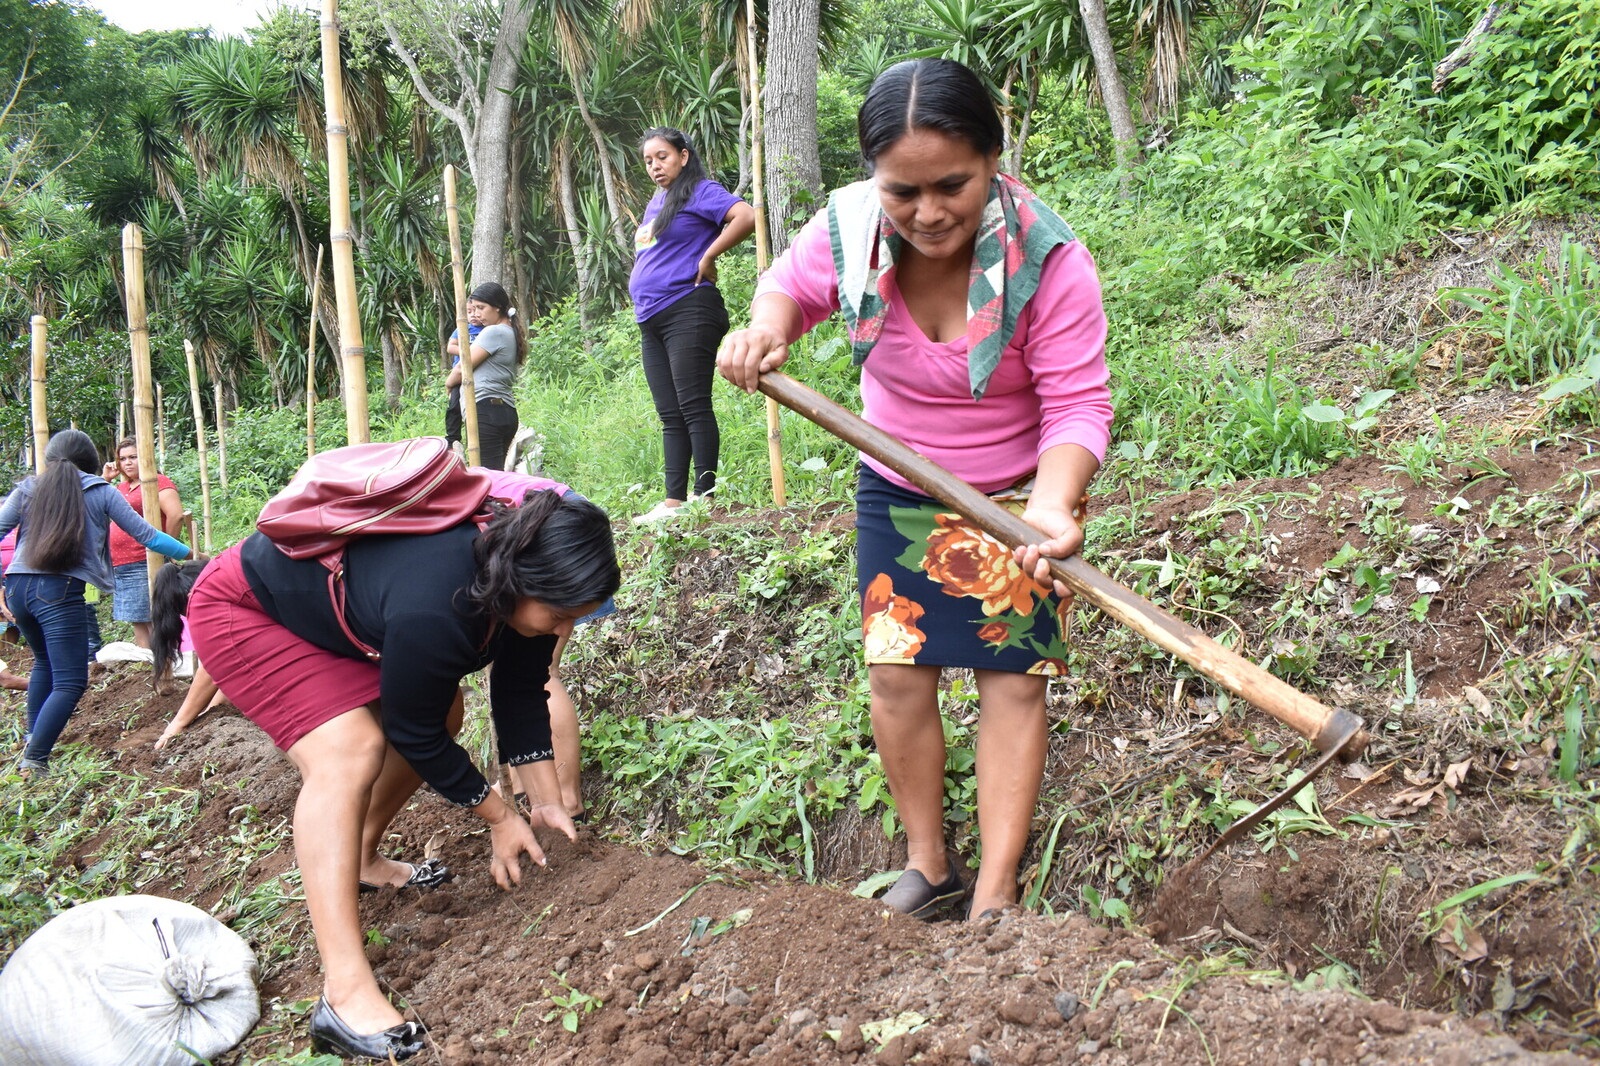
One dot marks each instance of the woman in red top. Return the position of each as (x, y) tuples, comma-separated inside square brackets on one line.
[(131, 591)]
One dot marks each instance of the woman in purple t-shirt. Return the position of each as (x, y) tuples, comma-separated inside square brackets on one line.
[(690, 222)]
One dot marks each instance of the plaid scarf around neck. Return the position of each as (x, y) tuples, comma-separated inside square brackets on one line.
[(1015, 234)]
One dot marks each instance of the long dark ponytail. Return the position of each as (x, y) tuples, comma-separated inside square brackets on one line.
[(494, 294), (56, 514), (169, 601), (687, 181), (555, 549)]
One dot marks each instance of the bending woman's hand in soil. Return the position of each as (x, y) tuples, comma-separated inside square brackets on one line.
[(202, 696)]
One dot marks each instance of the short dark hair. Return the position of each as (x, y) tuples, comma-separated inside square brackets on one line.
[(555, 549), (931, 94)]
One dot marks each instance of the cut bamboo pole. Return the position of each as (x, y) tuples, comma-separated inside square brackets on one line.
[(161, 429), (758, 201), (144, 404), (222, 437), (469, 392), (1328, 728), (341, 234), (41, 411), (199, 441), (311, 360)]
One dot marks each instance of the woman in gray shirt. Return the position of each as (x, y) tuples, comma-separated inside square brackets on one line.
[(497, 355)]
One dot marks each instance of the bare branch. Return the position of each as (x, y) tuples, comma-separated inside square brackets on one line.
[(455, 115)]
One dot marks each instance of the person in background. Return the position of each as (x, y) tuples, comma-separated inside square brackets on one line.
[(452, 409), (497, 354), (975, 314), (687, 224), (437, 607), (130, 600), (62, 517)]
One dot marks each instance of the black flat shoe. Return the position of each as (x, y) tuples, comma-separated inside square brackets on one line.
[(329, 1035), (429, 874), (913, 896)]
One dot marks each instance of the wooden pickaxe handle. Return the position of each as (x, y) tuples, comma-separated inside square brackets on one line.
[(1326, 727)]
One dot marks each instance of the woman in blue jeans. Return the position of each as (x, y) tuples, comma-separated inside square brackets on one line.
[(63, 519)]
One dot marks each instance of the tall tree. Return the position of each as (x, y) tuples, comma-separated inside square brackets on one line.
[(477, 103), (789, 114)]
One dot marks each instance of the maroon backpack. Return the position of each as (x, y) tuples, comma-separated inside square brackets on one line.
[(407, 486)]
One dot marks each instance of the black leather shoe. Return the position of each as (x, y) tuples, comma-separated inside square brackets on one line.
[(329, 1035), (913, 896)]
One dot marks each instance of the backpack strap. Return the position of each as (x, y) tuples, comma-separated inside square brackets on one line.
[(335, 564)]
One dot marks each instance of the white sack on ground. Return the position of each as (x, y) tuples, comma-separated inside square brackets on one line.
[(127, 980)]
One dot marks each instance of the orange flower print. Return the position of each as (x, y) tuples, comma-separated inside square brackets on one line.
[(1049, 668), (968, 562), (889, 623), (995, 632)]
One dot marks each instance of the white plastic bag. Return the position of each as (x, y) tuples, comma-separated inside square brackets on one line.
[(128, 979)]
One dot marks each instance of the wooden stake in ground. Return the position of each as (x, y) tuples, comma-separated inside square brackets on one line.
[(161, 428), (144, 404), (469, 393), (222, 437), (41, 420), (311, 362), (341, 235), (758, 201), (199, 441)]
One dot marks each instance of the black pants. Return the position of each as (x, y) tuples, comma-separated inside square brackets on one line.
[(497, 424), (680, 360), (452, 416)]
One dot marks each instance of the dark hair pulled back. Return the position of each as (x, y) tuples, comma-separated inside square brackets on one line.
[(688, 179), (56, 513), (494, 294), (169, 602), (927, 94), (556, 549)]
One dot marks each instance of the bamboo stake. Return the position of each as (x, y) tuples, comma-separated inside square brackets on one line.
[(469, 392), (161, 428), (758, 201), (311, 361), (144, 406), (222, 438), (41, 420), (341, 234), (199, 441), (1329, 729)]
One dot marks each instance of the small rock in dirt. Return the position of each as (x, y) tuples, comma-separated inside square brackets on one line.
[(1089, 1047), (979, 1055), (511, 954), (802, 1017), (563, 964), (1019, 1010), (1067, 1005), (896, 1051), (645, 961), (950, 954), (737, 997), (608, 946), (850, 1039)]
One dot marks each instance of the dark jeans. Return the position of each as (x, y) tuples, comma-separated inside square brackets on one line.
[(50, 611), (680, 361), (452, 416), (497, 424)]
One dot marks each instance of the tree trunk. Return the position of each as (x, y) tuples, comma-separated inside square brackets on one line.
[(393, 371), (1025, 125), (789, 114), (1115, 96), (580, 254), (491, 144)]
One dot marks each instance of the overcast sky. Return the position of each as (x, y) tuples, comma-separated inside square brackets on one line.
[(227, 18)]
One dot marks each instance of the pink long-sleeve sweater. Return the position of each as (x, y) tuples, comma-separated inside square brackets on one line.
[(1049, 388)]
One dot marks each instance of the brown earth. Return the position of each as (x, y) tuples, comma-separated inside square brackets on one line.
[(688, 965)]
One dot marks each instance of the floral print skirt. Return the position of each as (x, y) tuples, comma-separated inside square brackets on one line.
[(938, 591)]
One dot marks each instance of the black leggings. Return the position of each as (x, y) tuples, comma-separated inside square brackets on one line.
[(497, 424), (680, 360)]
